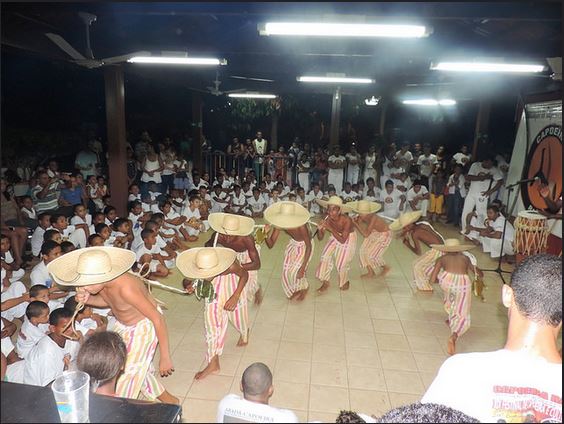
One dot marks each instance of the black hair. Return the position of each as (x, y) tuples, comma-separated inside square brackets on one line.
[(193, 197), (349, 417), (48, 235), (102, 356), (389, 182), (67, 247), (217, 186), (35, 309), (48, 246), (92, 237), (151, 225), (160, 216), (108, 209), (418, 182), (59, 314), (70, 304), (43, 215), (146, 233), (132, 185), (133, 204), (96, 214), (119, 222), (493, 207), (537, 289), (425, 413), (75, 207), (55, 217), (36, 289), (163, 203), (255, 189), (99, 227)]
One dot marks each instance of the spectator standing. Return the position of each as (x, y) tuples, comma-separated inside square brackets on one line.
[(87, 161), (336, 164), (260, 146), (353, 165), (369, 164), (152, 167), (455, 196), (426, 163)]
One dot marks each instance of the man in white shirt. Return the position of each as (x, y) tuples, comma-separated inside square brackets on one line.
[(336, 169), (353, 166), (523, 381), (219, 199), (260, 145), (404, 156), (462, 157), (491, 236), (52, 355), (87, 160), (418, 198), (257, 388), (426, 163), (392, 200), (484, 179)]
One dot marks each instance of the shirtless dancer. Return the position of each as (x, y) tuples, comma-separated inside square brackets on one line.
[(452, 271), (228, 282), (420, 232), (341, 246), (241, 242), (103, 282), (377, 237), (299, 249)]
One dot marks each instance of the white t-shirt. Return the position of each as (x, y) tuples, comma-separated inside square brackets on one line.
[(461, 159), (405, 158), (218, 206), (501, 385), (411, 194), (349, 197), (477, 187), (44, 362), (6, 343), (40, 275), (29, 336), (142, 250), (85, 325), (426, 164), (37, 240), (497, 225), (78, 220), (353, 159), (256, 205), (238, 200), (335, 160), (391, 202), (234, 409)]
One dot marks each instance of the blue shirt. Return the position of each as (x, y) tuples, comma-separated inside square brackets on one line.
[(73, 196)]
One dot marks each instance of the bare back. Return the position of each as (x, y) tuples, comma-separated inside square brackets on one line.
[(426, 235), (117, 292), (343, 223), (455, 263), (377, 224), (300, 233)]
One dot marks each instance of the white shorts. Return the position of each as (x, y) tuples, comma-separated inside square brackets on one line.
[(7, 346)]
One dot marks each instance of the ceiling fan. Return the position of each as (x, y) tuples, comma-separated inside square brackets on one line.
[(78, 58), (214, 91), (250, 79)]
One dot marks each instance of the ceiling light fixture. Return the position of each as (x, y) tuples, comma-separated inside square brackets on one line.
[(317, 29), (164, 60), (486, 67), (252, 96), (430, 102), (329, 79), (373, 101)]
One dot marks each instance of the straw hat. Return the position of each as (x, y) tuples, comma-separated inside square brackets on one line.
[(205, 262), (404, 220), (230, 224), (452, 245), (364, 207), (334, 201), (286, 214), (92, 265)]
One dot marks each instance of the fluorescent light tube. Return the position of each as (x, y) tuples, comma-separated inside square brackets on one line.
[(486, 67), (430, 102), (252, 96), (342, 30), (176, 60), (336, 80)]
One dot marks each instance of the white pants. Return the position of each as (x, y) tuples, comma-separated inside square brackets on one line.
[(493, 247), (423, 205), (78, 238), (194, 232), (474, 201), (476, 223), (303, 180), (335, 178), (353, 172), (16, 289)]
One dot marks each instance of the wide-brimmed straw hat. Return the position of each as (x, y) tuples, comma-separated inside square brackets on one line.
[(452, 245), (334, 201), (364, 207), (205, 262), (230, 224), (404, 220), (92, 265), (286, 214)]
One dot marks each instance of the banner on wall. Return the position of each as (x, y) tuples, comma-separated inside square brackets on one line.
[(537, 154)]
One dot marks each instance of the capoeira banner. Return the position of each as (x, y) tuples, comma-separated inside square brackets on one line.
[(537, 154)]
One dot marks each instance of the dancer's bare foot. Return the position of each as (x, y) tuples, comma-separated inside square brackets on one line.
[(243, 342), (385, 270), (299, 295), (258, 296), (369, 274), (324, 287), (212, 367), (446, 321), (451, 347), (166, 397), (345, 286), (302, 295)]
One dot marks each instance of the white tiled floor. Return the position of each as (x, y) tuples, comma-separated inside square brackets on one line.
[(371, 348)]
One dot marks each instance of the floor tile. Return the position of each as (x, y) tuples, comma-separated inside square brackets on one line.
[(327, 399), (329, 374), (366, 378), (403, 382)]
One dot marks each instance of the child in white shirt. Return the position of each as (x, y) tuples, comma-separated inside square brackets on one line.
[(347, 194), (418, 197), (220, 199), (28, 211), (315, 193), (43, 220), (238, 201), (301, 197), (34, 327), (12, 291), (150, 253), (50, 251), (392, 199), (256, 205), (81, 216), (94, 192), (194, 224), (134, 193), (8, 260), (274, 197), (247, 191)]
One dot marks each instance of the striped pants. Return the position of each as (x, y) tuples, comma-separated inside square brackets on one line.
[(216, 319), (343, 254), (423, 267), (293, 260), (457, 289), (373, 248), (252, 285), (139, 374)]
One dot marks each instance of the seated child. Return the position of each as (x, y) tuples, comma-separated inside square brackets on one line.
[(34, 327), (194, 223), (29, 214), (105, 232), (122, 233), (371, 193), (314, 193), (50, 251), (76, 234), (134, 193), (111, 214), (103, 358), (150, 253), (301, 197), (7, 259), (53, 297), (348, 195), (246, 189), (94, 193), (81, 216), (169, 235), (67, 247), (172, 222), (256, 204), (238, 201), (137, 216), (52, 355), (43, 221), (177, 200), (95, 240), (87, 322), (16, 291), (418, 198), (220, 199), (205, 204)]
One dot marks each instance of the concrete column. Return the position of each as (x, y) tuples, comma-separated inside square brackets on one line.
[(335, 117)]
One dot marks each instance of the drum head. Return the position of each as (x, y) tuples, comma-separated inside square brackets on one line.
[(533, 215)]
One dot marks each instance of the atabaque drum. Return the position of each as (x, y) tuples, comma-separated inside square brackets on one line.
[(531, 234)]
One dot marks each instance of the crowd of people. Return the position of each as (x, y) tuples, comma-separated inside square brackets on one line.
[(398, 192)]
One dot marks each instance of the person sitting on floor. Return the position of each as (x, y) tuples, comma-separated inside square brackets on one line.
[(257, 388), (34, 327)]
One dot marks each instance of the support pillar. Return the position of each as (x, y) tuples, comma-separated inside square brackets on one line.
[(197, 132), (383, 110), (482, 123), (335, 118), (115, 123)]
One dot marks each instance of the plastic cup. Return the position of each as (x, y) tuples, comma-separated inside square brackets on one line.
[(72, 395)]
